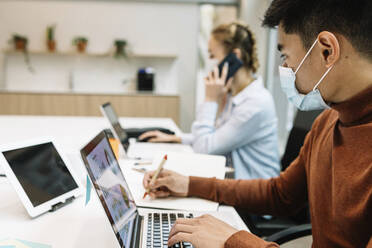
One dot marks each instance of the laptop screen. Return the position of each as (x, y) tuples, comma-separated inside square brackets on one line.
[(41, 172), (111, 187), (109, 112)]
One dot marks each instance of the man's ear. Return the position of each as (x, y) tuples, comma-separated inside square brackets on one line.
[(237, 52), (329, 47)]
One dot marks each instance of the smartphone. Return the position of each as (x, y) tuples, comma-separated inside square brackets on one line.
[(234, 65)]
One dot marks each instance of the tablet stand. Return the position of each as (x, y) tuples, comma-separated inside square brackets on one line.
[(61, 204)]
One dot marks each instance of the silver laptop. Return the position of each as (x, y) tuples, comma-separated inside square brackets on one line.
[(130, 227), (116, 129), (135, 149)]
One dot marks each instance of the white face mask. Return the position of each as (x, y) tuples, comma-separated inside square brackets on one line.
[(311, 101)]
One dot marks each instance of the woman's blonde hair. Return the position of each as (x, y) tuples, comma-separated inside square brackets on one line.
[(237, 35)]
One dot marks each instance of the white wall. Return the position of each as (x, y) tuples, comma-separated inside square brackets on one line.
[(252, 12), (149, 28)]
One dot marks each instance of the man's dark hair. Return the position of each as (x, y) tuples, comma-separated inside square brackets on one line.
[(307, 18)]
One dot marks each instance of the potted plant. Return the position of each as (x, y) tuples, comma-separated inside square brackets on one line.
[(20, 42), (81, 44), (51, 43), (120, 48)]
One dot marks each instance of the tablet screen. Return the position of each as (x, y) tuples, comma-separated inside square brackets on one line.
[(41, 172)]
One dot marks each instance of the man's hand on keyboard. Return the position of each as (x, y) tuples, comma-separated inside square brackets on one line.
[(168, 183), (202, 232)]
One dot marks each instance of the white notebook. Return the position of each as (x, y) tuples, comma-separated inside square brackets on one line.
[(189, 164), (146, 150)]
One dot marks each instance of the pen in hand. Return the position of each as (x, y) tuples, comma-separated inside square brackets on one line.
[(157, 172)]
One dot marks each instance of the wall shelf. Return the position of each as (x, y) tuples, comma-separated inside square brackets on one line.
[(97, 55), (72, 72)]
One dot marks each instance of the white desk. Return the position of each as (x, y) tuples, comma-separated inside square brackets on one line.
[(74, 225), (71, 132)]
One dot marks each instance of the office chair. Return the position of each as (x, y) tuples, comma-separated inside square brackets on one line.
[(263, 227), (290, 235)]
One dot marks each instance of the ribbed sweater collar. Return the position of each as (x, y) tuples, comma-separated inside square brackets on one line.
[(357, 109)]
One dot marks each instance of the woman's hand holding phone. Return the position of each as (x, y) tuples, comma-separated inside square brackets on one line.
[(215, 87)]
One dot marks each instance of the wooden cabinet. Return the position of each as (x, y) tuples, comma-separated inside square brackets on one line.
[(76, 104)]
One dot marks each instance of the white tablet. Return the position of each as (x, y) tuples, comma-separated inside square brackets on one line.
[(40, 174)]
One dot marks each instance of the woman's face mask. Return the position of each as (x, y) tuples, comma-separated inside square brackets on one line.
[(311, 101)]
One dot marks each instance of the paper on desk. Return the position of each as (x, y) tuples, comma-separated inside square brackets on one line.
[(185, 163), (34, 245), (194, 164), (21, 244), (12, 243), (151, 150)]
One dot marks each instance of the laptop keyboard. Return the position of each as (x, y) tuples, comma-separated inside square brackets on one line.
[(159, 226)]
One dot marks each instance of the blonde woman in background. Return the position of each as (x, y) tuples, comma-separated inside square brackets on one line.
[(238, 119)]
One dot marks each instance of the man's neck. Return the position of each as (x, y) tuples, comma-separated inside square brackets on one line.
[(355, 81)]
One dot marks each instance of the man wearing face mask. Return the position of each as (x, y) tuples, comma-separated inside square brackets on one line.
[(326, 47)]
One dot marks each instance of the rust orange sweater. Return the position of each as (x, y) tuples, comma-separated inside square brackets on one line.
[(333, 173)]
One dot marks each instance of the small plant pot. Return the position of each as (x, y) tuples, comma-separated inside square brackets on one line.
[(20, 45), (81, 47), (51, 45), (120, 48)]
